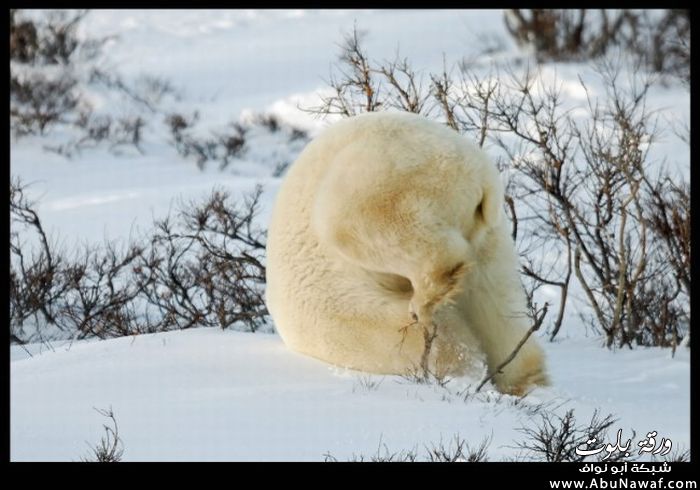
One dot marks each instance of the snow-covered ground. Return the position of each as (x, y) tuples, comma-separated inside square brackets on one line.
[(213, 395), (207, 394)]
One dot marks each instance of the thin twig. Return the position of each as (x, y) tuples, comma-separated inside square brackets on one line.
[(428, 337)]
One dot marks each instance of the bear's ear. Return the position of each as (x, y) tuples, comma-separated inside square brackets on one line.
[(488, 210), (453, 277)]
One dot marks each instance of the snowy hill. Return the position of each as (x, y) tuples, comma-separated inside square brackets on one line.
[(212, 395)]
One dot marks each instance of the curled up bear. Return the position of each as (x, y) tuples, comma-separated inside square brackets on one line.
[(389, 251)]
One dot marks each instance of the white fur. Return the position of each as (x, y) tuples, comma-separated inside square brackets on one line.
[(386, 218)]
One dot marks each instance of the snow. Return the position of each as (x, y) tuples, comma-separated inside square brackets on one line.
[(212, 395), (206, 394)]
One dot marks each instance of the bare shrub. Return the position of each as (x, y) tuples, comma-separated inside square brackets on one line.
[(355, 91), (221, 147), (88, 293), (110, 449), (419, 375), (205, 268), (55, 74), (668, 220), (146, 90), (592, 179), (51, 72), (366, 86), (422, 372), (101, 295), (23, 39), (53, 40), (565, 34), (628, 261), (660, 40), (97, 129), (679, 456), (38, 101), (580, 188), (202, 267), (367, 383), (555, 438), (118, 133), (37, 279), (383, 455), (269, 121), (458, 450)]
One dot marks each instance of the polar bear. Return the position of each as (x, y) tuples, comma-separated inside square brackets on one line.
[(389, 249)]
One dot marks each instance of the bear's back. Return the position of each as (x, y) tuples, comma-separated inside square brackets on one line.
[(379, 174)]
